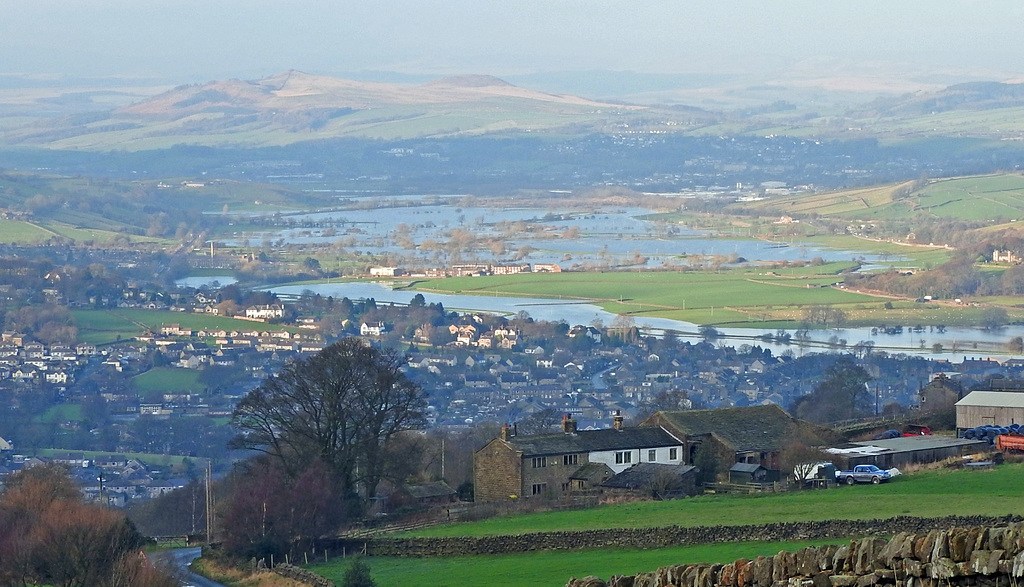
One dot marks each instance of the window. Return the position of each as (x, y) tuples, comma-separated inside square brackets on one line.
[(570, 459), (673, 454), (565, 487), (540, 462), (539, 488), (623, 457), (652, 455)]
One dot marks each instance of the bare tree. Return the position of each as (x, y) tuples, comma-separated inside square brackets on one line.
[(340, 406)]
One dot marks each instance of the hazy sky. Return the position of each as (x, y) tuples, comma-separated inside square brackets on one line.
[(197, 40)]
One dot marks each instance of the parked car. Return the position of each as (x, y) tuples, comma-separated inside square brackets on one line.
[(863, 474)]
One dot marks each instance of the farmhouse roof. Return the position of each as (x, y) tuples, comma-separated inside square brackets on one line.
[(748, 428), (643, 475), (993, 399), (593, 441), (429, 490)]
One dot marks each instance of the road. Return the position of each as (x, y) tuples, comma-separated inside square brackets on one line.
[(180, 559)]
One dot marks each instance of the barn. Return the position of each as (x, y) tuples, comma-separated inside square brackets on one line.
[(990, 408)]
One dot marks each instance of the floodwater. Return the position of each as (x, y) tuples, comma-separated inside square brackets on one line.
[(956, 342), (567, 236)]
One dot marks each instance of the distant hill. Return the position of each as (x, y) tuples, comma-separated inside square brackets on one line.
[(295, 106), (966, 96)]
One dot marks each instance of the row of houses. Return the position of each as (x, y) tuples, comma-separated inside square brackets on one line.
[(31, 362), (113, 479), (663, 453), (467, 269)]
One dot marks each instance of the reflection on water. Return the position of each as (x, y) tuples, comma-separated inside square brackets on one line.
[(556, 235), (210, 281), (957, 343)]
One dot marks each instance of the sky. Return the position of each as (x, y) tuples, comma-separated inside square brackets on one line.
[(201, 40)]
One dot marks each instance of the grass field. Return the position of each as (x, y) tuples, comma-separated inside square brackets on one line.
[(932, 493), (177, 463), (105, 326), (168, 379), (731, 297), (545, 568), (976, 198)]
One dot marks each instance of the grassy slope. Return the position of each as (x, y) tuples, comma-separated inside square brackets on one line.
[(933, 493), (545, 568), (102, 326), (930, 493), (168, 379)]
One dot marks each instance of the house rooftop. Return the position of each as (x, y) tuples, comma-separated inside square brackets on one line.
[(593, 441), (751, 428), (643, 475)]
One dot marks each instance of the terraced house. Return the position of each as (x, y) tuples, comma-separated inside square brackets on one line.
[(548, 465)]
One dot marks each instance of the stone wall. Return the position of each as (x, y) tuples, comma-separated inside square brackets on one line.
[(302, 575), (657, 537), (979, 556)]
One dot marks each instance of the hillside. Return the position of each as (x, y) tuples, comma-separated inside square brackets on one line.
[(294, 106)]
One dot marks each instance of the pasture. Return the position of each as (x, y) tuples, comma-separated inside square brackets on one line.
[(931, 493), (105, 326), (169, 380), (977, 198), (702, 297), (547, 567)]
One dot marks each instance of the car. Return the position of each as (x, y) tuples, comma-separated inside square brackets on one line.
[(863, 474)]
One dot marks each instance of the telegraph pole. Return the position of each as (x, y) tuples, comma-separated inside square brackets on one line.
[(209, 503)]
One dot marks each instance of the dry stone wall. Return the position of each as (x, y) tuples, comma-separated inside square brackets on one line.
[(980, 556), (657, 537), (302, 575)]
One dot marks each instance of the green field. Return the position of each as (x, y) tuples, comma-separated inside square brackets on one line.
[(933, 493), (546, 567), (168, 379), (20, 232), (729, 297), (976, 198), (106, 326), (177, 463)]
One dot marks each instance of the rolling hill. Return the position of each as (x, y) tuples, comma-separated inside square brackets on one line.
[(293, 106)]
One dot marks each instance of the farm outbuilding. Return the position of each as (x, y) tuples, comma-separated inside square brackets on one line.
[(752, 473), (907, 450), (990, 408)]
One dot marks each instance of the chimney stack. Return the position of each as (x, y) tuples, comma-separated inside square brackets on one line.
[(617, 420), (568, 424), (505, 434)]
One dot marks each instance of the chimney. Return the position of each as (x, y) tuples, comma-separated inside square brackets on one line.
[(505, 434), (568, 424), (617, 420)]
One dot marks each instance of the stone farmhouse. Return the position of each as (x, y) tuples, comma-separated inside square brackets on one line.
[(549, 465), (750, 434)]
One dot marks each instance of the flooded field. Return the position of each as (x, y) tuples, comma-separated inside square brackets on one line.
[(428, 231)]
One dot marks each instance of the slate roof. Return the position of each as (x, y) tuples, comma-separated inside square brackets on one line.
[(429, 490), (745, 468), (749, 428), (591, 471), (592, 441), (642, 475)]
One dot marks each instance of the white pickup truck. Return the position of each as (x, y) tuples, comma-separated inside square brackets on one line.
[(863, 474)]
